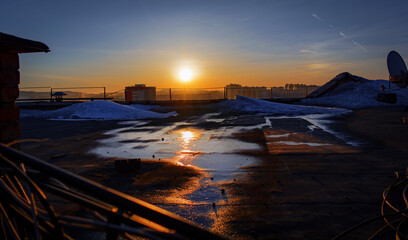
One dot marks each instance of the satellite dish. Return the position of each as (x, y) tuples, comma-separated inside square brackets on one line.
[(397, 69)]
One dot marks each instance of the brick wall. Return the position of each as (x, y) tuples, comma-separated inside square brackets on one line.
[(9, 112)]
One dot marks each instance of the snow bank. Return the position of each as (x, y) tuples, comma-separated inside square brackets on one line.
[(353, 95), (252, 105), (97, 110)]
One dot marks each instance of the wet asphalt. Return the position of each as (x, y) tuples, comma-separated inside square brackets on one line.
[(224, 173)]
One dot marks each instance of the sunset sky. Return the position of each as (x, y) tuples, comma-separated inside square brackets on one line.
[(252, 43)]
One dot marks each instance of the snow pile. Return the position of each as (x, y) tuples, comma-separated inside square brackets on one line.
[(353, 95), (335, 82), (252, 105), (98, 110)]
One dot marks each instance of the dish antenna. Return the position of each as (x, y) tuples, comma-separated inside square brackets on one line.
[(397, 69)]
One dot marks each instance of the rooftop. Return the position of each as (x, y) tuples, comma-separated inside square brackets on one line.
[(10, 43)]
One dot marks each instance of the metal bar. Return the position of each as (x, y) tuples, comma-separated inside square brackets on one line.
[(77, 87), (34, 212), (32, 87), (9, 224), (36, 189), (104, 209), (46, 99), (114, 197)]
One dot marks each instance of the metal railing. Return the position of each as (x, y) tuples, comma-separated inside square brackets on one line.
[(31, 191), (176, 94)]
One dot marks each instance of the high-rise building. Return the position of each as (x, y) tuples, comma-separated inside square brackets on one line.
[(233, 90)]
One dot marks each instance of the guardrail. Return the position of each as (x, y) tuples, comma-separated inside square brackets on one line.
[(173, 94), (30, 189)]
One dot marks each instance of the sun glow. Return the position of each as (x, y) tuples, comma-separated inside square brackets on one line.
[(187, 136), (185, 74)]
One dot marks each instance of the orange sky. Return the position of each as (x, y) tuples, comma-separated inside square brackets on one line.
[(122, 70), (267, 43)]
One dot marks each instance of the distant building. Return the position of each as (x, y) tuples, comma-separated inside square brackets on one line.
[(292, 91), (233, 90), (139, 92)]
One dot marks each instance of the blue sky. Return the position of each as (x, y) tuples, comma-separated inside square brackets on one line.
[(253, 43)]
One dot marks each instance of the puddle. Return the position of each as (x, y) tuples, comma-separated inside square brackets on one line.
[(212, 150)]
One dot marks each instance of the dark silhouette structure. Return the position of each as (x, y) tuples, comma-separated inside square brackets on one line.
[(10, 47)]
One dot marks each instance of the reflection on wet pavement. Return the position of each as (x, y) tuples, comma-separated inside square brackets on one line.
[(221, 149), (214, 150), (307, 134), (207, 143)]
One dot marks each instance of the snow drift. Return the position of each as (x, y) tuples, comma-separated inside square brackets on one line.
[(98, 110), (356, 93), (251, 105)]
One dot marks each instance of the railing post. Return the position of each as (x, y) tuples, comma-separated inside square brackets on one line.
[(170, 93), (104, 93)]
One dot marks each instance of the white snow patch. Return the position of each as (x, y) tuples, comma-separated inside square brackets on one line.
[(302, 143), (279, 135), (97, 110), (252, 105)]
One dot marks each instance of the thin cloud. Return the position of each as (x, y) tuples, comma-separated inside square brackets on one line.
[(318, 18), (341, 33), (359, 45), (317, 66), (306, 51)]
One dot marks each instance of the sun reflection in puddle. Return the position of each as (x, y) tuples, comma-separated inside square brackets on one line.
[(212, 150), (187, 136), (186, 155)]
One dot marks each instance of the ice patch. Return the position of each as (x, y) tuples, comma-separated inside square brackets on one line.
[(302, 143), (319, 121), (279, 135), (312, 127)]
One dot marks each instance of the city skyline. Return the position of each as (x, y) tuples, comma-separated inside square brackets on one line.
[(252, 43)]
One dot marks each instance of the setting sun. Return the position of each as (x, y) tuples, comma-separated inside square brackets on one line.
[(185, 74)]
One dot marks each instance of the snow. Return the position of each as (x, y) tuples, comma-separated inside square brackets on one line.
[(354, 95), (252, 105), (97, 110), (302, 143)]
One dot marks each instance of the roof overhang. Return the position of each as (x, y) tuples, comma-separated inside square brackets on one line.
[(10, 43)]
